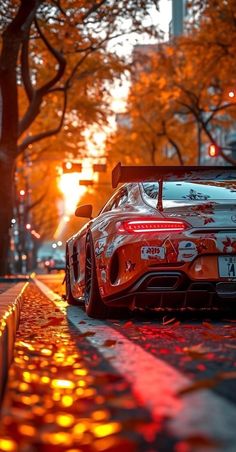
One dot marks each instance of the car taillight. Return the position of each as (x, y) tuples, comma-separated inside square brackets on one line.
[(149, 225)]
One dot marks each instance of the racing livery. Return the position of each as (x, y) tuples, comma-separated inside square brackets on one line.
[(166, 240)]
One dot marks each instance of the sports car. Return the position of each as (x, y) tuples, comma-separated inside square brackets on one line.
[(166, 240)]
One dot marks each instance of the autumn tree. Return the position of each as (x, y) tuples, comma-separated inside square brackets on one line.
[(154, 130), (216, 37), (54, 56), (179, 91)]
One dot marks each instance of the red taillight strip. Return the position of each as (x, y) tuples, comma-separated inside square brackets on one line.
[(140, 226)]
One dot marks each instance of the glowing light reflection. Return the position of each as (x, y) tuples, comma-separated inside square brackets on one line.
[(106, 429), (63, 384)]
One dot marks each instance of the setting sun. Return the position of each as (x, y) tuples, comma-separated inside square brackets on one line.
[(72, 191)]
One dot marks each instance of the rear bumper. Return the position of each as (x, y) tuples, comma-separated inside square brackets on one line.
[(173, 290)]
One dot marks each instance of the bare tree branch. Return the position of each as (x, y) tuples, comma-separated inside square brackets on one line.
[(93, 9), (40, 136), (58, 56), (25, 70)]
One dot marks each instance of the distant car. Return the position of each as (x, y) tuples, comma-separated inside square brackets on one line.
[(54, 264), (166, 239)]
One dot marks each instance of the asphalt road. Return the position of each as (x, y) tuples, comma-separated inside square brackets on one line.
[(146, 383)]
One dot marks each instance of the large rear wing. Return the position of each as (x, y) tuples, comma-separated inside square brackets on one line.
[(170, 173)]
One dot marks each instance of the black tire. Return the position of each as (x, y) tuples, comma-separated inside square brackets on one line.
[(69, 297), (94, 305)]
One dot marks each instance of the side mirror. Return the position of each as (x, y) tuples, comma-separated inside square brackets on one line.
[(84, 211)]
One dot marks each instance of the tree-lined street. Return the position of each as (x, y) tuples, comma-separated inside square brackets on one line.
[(85, 84)]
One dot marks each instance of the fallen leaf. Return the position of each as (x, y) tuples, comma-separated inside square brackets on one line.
[(201, 367), (201, 384), (196, 351), (196, 441), (54, 321), (166, 321), (109, 343), (87, 334), (128, 324), (208, 325), (227, 375), (212, 336), (208, 382)]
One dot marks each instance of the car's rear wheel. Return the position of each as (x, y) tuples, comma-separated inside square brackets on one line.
[(94, 305), (71, 300)]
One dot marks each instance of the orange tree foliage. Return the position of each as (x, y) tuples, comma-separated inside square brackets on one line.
[(179, 98), (54, 69), (153, 134)]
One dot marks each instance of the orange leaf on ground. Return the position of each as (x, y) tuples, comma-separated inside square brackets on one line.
[(109, 343), (208, 325), (54, 321), (128, 324), (197, 441), (196, 351), (208, 382), (201, 384), (87, 334)]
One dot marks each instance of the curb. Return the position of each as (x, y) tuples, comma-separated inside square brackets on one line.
[(10, 307)]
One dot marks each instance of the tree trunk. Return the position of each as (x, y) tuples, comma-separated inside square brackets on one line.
[(12, 39), (6, 212)]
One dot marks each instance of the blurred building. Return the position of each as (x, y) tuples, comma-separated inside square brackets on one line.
[(183, 17), (176, 26)]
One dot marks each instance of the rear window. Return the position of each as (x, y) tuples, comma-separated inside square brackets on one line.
[(191, 192)]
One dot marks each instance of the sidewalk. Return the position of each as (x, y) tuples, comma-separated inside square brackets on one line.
[(11, 296)]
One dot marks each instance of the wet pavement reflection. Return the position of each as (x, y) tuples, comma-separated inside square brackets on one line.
[(62, 398)]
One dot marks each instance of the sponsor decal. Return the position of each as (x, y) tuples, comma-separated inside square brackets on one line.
[(99, 247), (152, 252), (112, 246), (187, 251), (103, 225), (110, 249), (129, 266), (233, 218), (118, 240)]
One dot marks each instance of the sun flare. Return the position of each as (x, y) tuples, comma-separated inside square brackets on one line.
[(72, 191)]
